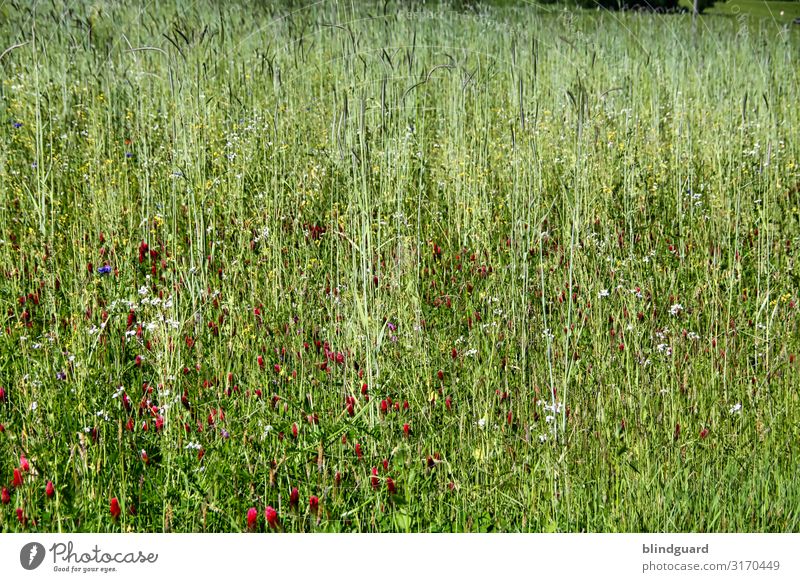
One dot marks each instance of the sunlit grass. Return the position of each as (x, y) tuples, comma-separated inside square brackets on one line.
[(541, 264)]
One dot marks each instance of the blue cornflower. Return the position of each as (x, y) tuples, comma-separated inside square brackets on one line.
[(104, 270), (17, 125)]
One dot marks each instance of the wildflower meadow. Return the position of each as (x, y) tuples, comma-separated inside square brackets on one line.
[(397, 267)]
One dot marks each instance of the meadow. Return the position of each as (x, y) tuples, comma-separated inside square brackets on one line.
[(397, 267)]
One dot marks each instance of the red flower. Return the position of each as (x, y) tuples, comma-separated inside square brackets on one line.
[(374, 479), (49, 490), (277, 369), (454, 353), (272, 516), (295, 430), (252, 518), (3, 394), (313, 502), (359, 454), (294, 497), (17, 481), (406, 429), (390, 485), (260, 361), (5, 496), (159, 423), (448, 403), (385, 464), (704, 433), (23, 463), (115, 508), (21, 516), (384, 406)]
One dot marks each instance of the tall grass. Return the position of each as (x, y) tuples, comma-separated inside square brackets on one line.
[(585, 223)]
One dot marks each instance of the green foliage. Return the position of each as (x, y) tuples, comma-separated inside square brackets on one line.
[(468, 211)]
